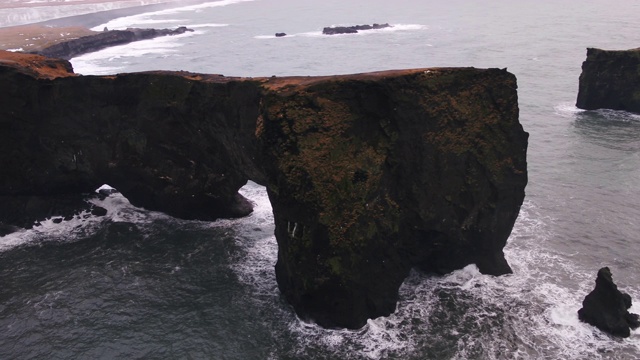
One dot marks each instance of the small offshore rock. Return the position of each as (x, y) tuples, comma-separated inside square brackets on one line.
[(606, 307), (352, 29)]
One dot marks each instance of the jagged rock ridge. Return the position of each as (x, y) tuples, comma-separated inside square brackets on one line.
[(369, 175), (610, 79)]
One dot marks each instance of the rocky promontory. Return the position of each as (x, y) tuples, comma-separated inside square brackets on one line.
[(102, 40), (369, 175), (610, 79)]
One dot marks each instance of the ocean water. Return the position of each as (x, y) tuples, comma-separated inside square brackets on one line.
[(137, 284)]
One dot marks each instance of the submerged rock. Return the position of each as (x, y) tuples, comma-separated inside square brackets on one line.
[(610, 79), (102, 40), (607, 308), (369, 175), (352, 29)]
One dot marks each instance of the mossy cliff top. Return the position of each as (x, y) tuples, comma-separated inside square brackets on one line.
[(369, 175)]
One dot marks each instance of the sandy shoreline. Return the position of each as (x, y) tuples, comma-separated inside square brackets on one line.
[(35, 37), (31, 37)]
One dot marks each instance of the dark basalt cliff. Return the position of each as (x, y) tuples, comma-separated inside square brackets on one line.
[(369, 175), (610, 80), (103, 40)]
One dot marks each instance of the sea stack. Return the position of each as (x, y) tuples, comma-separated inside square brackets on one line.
[(369, 175), (610, 79), (607, 308)]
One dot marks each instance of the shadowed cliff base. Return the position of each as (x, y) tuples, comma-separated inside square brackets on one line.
[(369, 175)]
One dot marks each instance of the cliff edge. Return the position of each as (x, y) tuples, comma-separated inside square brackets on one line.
[(369, 175), (610, 79)]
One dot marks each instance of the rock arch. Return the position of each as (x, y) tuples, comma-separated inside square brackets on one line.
[(369, 175)]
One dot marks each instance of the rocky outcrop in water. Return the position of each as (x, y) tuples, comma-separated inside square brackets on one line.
[(352, 29), (102, 40), (606, 307), (610, 80), (369, 175)]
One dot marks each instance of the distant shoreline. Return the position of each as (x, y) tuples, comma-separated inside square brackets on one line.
[(31, 37), (101, 17)]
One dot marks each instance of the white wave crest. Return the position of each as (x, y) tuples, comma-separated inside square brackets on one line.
[(567, 110), (156, 16), (82, 225), (196, 26), (318, 33), (94, 63), (529, 314)]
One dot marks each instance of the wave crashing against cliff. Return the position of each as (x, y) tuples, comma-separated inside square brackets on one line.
[(369, 175)]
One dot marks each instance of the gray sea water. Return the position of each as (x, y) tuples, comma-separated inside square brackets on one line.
[(141, 285)]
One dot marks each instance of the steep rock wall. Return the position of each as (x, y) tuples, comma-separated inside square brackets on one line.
[(610, 79), (369, 175), (373, 174)]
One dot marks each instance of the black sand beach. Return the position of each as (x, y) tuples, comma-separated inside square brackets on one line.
[(32, 37)]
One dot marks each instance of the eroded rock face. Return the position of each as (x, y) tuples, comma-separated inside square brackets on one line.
[(610, 79), (606, 307), (374, 174), (369, 175)]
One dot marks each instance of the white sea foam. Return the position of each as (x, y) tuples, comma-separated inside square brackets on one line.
[(82, 225), (318, 33), (618, 115), (256, 235), (199, 7), (30, 14), (52, 229), (136, 21), (567, 110), (196, 26), (377, 339), (92, 63), (155, 17), (529, 314), (393, 28)]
